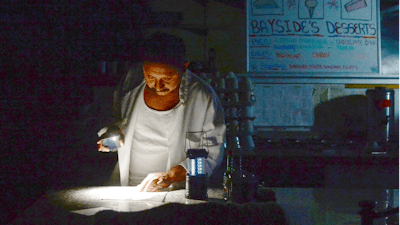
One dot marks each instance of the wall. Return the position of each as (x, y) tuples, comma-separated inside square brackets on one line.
[(227, 31), (329, 111), (227, 34)]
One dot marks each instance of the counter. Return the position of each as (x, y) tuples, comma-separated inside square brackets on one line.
[(85, 205), (323, 166), (302, 206)]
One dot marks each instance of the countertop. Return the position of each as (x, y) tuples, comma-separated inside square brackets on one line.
[(322, 165), (266, 148), (79, 205), (84, 205)]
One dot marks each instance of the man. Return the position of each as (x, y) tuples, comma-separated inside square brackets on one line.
[(156, 116)]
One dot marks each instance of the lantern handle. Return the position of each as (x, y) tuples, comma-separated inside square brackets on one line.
[(201, 140)]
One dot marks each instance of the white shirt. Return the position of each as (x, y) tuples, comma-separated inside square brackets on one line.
[(149, 152)]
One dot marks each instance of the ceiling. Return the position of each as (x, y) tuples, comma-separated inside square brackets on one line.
[(385, 4), (388, 4)]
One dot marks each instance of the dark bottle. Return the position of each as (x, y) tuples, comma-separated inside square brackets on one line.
[(238, 179), (228, 178)]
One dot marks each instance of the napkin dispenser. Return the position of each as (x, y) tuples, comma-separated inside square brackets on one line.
[(380, 116)]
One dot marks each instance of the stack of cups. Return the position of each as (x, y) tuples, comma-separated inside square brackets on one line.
[(237, 98), (245, 112)]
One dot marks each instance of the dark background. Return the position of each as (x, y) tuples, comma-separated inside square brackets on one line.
[(48, 67)]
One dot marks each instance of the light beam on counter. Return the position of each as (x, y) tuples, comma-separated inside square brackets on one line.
[(115, 193)]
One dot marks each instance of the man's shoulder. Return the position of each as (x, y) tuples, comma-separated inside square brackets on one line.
[(132, 93), (134, 90), (199, 85)]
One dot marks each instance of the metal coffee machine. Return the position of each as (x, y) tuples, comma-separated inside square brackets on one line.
[(380, 125)]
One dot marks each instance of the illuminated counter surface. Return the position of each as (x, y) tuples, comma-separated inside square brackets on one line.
[(301, 205), (77, 205)]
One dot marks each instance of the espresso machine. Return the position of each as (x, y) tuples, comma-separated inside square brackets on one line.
[(381, 124)]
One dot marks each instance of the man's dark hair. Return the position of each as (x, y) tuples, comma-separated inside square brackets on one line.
[(164, 48)]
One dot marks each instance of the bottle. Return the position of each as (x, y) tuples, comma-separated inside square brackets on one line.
[(238, 185), (227, 185)]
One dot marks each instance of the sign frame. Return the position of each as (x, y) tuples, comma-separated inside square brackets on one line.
[(321, 74)]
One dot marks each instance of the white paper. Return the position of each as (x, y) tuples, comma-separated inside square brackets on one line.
[(130, 193), (117, 193), (136, 206), (284, 105)]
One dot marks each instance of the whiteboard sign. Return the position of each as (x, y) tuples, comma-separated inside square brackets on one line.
[(321, 36)]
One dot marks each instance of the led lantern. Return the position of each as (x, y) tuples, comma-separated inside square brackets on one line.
[(196, 178)]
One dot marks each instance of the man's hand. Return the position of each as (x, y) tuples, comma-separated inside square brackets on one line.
[(102, 148), (155, 181)]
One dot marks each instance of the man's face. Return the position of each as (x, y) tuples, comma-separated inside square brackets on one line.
[(161, 77)]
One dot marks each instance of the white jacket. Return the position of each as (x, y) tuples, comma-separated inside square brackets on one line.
[(202, 112)]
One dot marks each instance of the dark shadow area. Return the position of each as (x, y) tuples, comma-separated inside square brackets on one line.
[(342, 119), (45, 144), (47, 70), (205, 213), (336, 155)]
